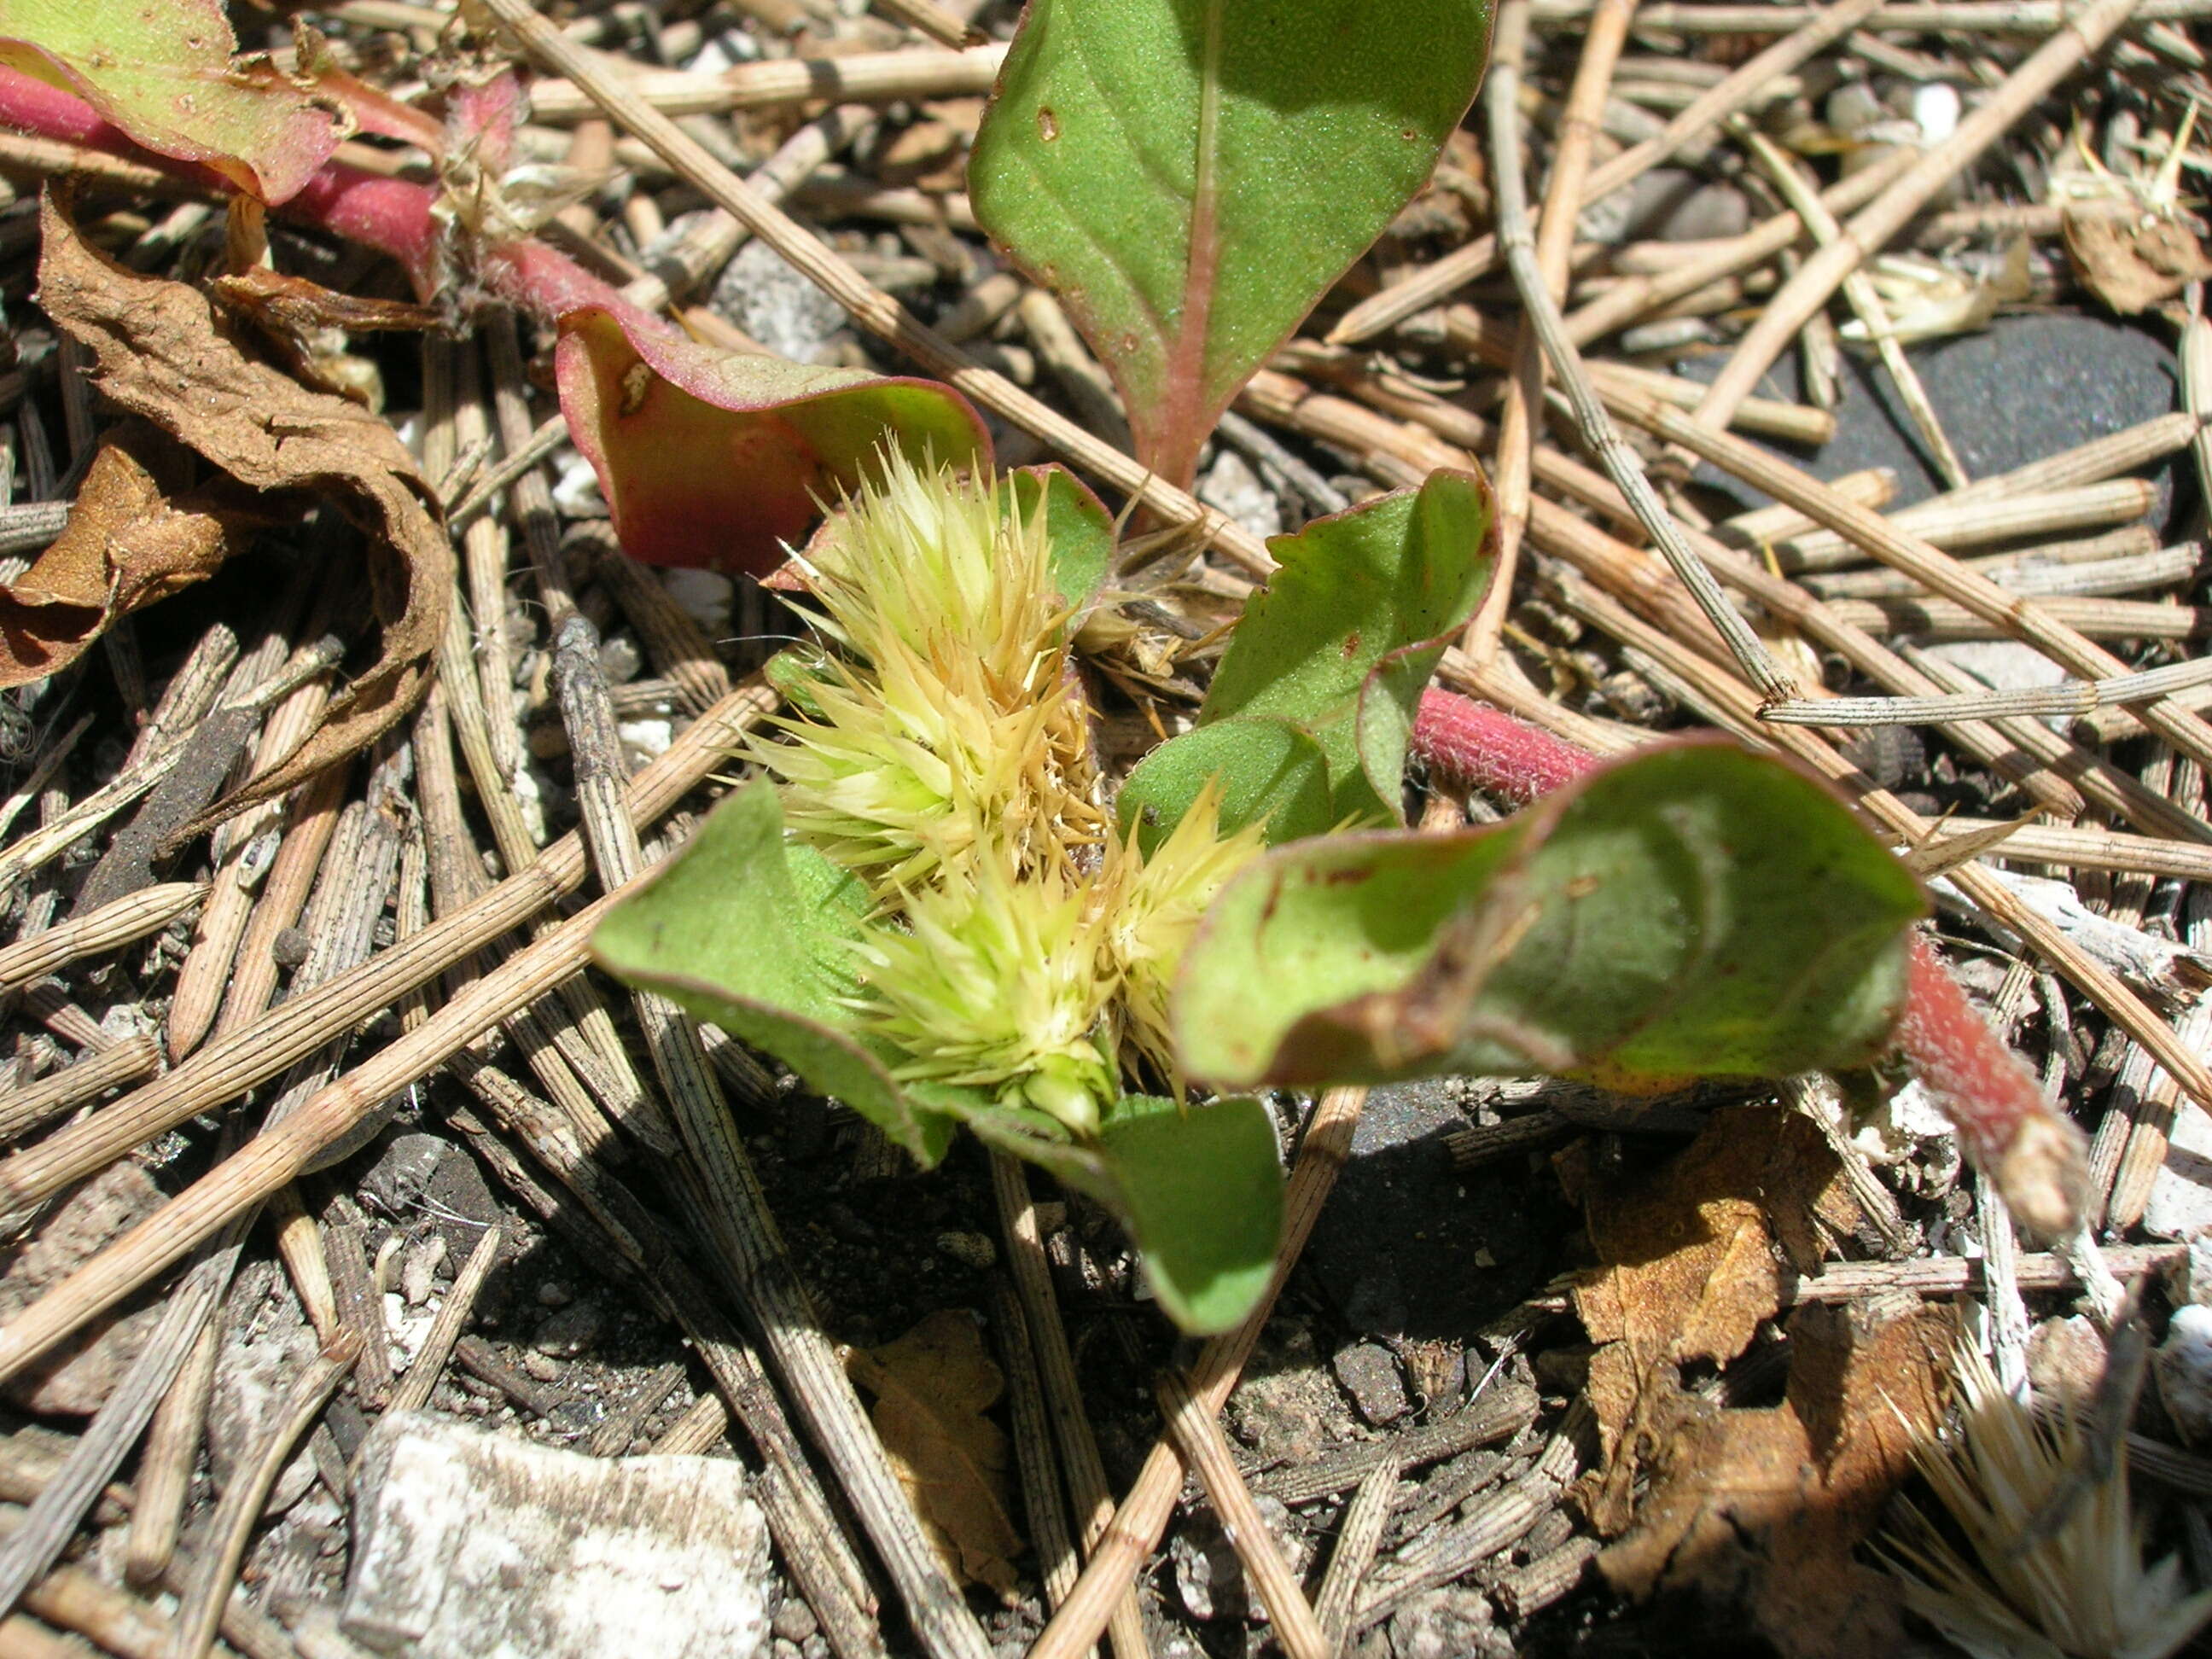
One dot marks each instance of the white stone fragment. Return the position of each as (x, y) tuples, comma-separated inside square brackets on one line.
[(470, 1546)]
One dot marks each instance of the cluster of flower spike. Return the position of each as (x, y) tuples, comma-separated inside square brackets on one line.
[(941, 752)]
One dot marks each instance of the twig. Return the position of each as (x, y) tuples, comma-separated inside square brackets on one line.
[(1915, 18), (1858, 288), (1357, 1537), (1137, 1525), (1091, 1497), (23, 1110), (1828, 25), (147, 911), (1495, 1524), (201, 1610), (314, 810), (220, 1072), (699, 1429), (164, 1478), (1620, 463), (66, 1499), (2023, 618), (1497, 1413), (1524, 379), (1873, 225), (413, 1391), (50, 840), (1041, 1492), (677, 645), (867, 78), (1199, 1436), (613, 1436), (2078, 698), (1527, 1590)]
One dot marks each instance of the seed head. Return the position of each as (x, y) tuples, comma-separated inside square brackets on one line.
[(999, 984), (948, 713)]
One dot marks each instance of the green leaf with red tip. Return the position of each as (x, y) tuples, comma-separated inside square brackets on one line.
[(1694, 911), (1191, 176), (717, 459), (165, 72)]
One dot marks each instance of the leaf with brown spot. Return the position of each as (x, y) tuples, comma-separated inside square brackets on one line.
[(133, 537), (931, 1387), (1767, 1506), (161, 352), (1688, 1272)]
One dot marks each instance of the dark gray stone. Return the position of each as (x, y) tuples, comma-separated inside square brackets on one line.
[(1370, 1376), (2025, 387), (401, 1174), (1408, 1246)]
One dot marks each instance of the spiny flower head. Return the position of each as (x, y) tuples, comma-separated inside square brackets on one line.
[(949, 710), (1162, 898), (1000, 984)]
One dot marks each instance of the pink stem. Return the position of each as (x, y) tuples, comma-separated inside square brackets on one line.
[(2004, 1124), (392, 215), (1490, 750)]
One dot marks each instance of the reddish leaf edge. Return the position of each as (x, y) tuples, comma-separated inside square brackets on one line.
[(392, 215), (2037, 1157)]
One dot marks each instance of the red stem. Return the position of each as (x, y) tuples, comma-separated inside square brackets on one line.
[(2004, 1124), (392, 215)]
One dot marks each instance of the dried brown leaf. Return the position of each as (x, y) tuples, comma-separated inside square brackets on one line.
[(133, 537), (931, 1387), (2134, 262), (1767, 1506), (1688, 1272), (162, 353)]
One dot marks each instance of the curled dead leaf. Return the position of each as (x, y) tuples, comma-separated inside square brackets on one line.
[(1763, 1504), (931, 1387), (160, 353), (134, 536)]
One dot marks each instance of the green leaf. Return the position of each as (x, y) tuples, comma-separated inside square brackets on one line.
[(1199, 1188), (754, 935), (1269, 771), (718, 458), (1191, 176), (1694, 911), (1348, 630), (1081, 528), (164, 73)]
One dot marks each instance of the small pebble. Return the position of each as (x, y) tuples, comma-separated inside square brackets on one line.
[(794, 1621), (974, 1250), (418, 1272), (571, 1331), (1370, 1376)]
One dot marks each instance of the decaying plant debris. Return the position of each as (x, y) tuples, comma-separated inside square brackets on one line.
[(314, 808)]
